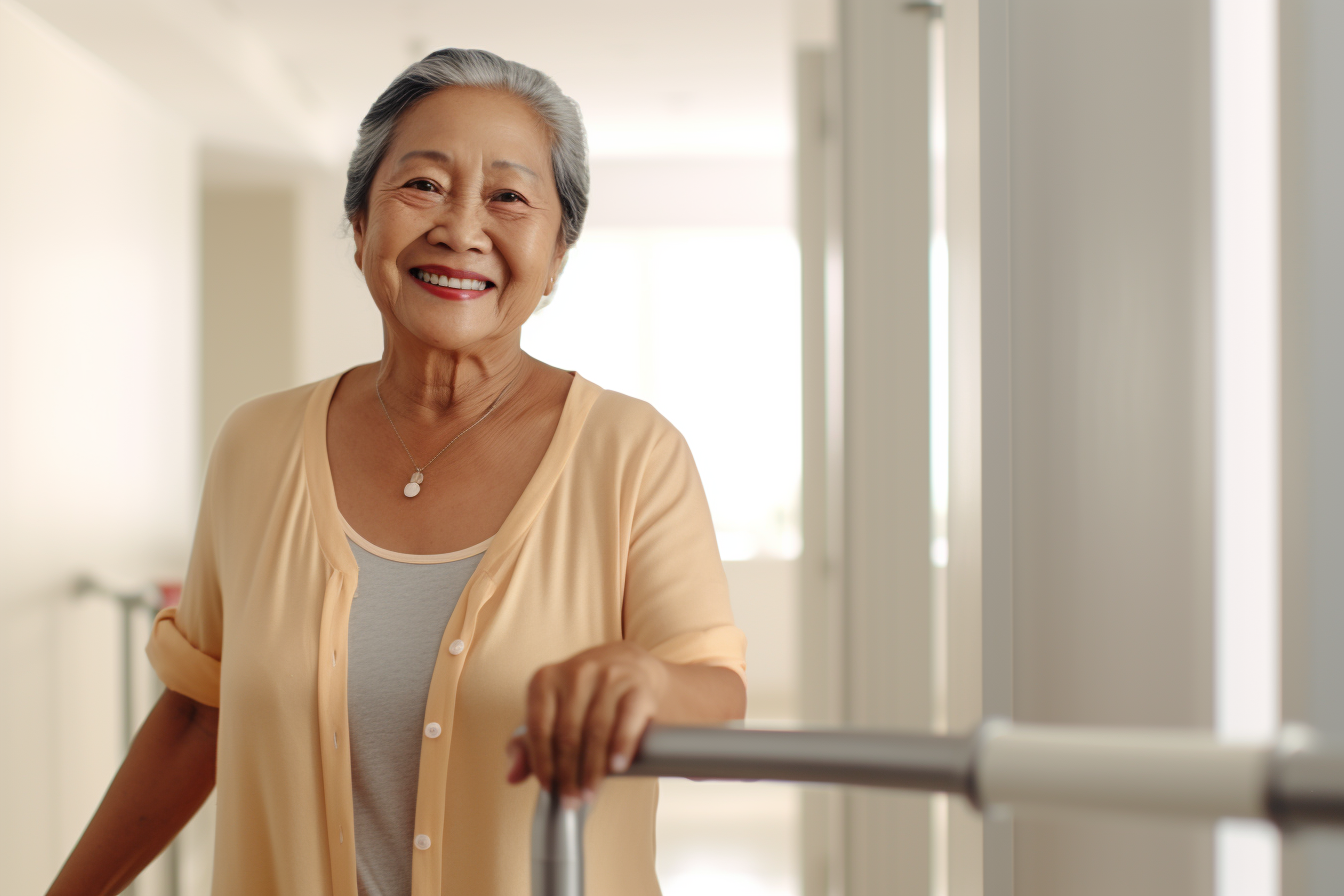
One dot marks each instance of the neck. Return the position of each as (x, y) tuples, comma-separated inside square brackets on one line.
[(432, 387)]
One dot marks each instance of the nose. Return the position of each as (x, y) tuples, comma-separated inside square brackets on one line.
[(459, 227)]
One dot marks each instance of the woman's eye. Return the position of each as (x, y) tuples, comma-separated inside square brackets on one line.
[(425, 186), (508, 196)]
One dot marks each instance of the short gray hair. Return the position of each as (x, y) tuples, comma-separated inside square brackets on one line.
[(477, 68)]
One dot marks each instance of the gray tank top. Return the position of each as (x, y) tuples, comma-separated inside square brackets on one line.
[(400, 610)]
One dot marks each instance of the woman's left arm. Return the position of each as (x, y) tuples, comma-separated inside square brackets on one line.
[(585, 716)]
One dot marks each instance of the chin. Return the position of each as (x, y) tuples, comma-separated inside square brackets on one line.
[(449, 328), (451, 339)]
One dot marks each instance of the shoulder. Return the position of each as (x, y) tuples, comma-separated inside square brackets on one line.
[(626, 440), (267, 419), (634, 452), (269, 427), (630, 424)]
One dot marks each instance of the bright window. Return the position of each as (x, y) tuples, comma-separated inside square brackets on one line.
[(704, 325)]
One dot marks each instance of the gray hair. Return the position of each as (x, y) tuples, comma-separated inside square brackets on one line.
[(477, 68)]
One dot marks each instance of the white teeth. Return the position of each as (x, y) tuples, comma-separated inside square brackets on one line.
[(450, 282)]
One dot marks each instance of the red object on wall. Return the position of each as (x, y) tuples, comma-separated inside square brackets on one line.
[(169, 594)]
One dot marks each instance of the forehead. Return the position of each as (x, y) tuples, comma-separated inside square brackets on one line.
[(478, 122)]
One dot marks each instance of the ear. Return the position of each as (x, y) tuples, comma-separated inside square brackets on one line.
[(357, 228), (557, 265)]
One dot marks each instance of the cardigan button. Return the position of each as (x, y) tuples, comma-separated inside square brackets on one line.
[(457, 647), (433, 730), (422, 841)]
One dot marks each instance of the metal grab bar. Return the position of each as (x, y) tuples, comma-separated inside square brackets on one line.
[(1292, 781), (147, 601)]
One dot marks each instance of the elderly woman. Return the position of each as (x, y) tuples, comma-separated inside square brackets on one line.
[(397, 566)]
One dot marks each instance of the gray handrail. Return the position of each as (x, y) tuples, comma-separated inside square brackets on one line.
[(1292, 781), (146, 602)]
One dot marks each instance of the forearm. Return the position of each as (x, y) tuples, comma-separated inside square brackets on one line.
[(698, 695), (167, 775)]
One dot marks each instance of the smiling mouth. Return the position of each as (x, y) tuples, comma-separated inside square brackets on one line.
[(450, 282)]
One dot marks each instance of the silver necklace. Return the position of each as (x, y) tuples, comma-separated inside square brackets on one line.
[(413, 487)]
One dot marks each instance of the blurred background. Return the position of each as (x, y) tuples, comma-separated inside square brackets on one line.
[(1004, 322), (199, 147)]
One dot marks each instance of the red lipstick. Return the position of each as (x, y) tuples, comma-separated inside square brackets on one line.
[(452, 293)]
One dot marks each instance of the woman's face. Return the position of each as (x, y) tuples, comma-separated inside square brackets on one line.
[(465, 196)]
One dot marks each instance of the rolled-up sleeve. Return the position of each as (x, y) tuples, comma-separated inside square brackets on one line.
[(182, 666), (186, 642), (676, 594)]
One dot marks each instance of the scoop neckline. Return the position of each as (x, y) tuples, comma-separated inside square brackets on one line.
[(423, 559), (331, 534)]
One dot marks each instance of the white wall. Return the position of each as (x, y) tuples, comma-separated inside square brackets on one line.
[(98, 401)]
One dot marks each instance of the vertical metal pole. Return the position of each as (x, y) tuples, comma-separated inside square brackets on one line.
[(128, 603), (173, 859), (557, 848), (174, 868), (127, 699)]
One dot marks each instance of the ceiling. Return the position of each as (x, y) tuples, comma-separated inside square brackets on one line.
[(293, 77)]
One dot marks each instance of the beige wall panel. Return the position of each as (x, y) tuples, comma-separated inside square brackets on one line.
[(1112, 373), (334, 323), (248, 338), (1089, 855), (1107, 262), (888, 655), (339, 326)]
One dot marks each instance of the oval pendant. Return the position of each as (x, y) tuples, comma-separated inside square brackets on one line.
[(417, 477), (411, 490)]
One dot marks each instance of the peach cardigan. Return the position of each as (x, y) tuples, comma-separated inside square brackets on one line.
[(611, 539)]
